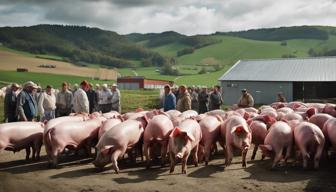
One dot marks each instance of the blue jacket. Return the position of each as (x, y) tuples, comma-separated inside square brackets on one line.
[(169, 102), (26, 105)]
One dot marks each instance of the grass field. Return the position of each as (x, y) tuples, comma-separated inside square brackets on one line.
[(44, 79)]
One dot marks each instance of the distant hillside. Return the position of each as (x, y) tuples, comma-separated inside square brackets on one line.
[(74, 43)]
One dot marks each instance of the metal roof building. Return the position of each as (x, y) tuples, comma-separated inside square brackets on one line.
[(296, 78)]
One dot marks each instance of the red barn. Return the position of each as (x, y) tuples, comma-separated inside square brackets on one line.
[(139, 82)]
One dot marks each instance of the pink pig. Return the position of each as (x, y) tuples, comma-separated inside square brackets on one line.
[(157, 132), (310, 141), (108, 124), (236, 133), (183, 141), (279, 138), (22, 135)]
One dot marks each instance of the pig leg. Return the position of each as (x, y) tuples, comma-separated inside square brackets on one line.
[(195, 157), (114, 158), (172, 162), (288, 153), (318, 156), (229, 155), (27, 153), (277, 158), (38, 150), (34, 151), (244, 152), (207, 151), (147, 155), (184, 163), (255, 149), (164, 147)]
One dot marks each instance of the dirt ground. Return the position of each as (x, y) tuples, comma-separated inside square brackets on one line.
[(11, 61), (78, 174)]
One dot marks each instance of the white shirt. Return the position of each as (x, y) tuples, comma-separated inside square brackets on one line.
[(48, 102), (80, 101), (105, 97)]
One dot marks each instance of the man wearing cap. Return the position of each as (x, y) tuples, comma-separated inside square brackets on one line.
[(64, 101), (80, 99), (245, 100), (26, 107), (10, 103), (115, 98), (184, 101), (105, 97), (48, 103), (169, 101)]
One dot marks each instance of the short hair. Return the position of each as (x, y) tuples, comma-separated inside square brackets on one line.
[(167, 86), (85, 83), (65, 83), (217, 86)]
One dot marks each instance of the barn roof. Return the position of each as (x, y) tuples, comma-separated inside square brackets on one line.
[(314, 69)]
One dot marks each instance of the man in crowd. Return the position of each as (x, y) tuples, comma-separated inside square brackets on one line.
[(105, 97), (215, 100), (194, 98), (245, 100), (203, 99), (91, 94), (64, 101), (281, 98), (116, 98), (80, 100), (10, 103), (184, 101), (26, 104), (48, 103), (169, 101)]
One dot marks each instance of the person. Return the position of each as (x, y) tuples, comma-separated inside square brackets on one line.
[(246, 99), (64, 101), (105, 97), (115, 98), (26, 107), (203, 99), (281, 98), (91, 94), (97, 92), (10, 103), (194, 98), (80, 99), (215, 99), (169, 101), (48, 102), (184, 101)]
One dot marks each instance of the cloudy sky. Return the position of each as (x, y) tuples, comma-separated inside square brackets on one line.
[(184, 16)]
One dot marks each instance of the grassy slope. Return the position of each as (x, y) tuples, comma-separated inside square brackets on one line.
[(43, 79)]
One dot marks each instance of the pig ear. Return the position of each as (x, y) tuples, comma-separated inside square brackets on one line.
[(176, 131), (190, 137), (249, 122), (246, 115), (310, 112), (121, 118), (265, 147), (239, 129), (219, 118)]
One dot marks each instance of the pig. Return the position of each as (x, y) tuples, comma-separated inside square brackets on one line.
[(108, 124), (157, 132), (278, 105), (111, 115), (319, 119), (292, 116), (236, 133), (210, 127), (117, 140), (173, 113), (73, 135), (22, 135), (285, 110), (259, 126), (188, 114), (310, 141), (329, 131), (330, 109), (52, 123), (183, 141), (279, 138)]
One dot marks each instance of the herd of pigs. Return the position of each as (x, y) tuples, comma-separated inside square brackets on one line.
[(303, 131)]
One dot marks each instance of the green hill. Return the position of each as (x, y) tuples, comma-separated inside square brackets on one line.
[(198, 59)]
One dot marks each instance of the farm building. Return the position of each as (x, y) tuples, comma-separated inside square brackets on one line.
[(305, 79), (139, 82)]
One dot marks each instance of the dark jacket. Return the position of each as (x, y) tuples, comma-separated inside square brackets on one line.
[(215, 101), (203, 100), (10, 106), (91, 94), (26, 105)]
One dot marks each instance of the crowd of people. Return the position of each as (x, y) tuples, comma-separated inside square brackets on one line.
[(186, 98), (31, 103)]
